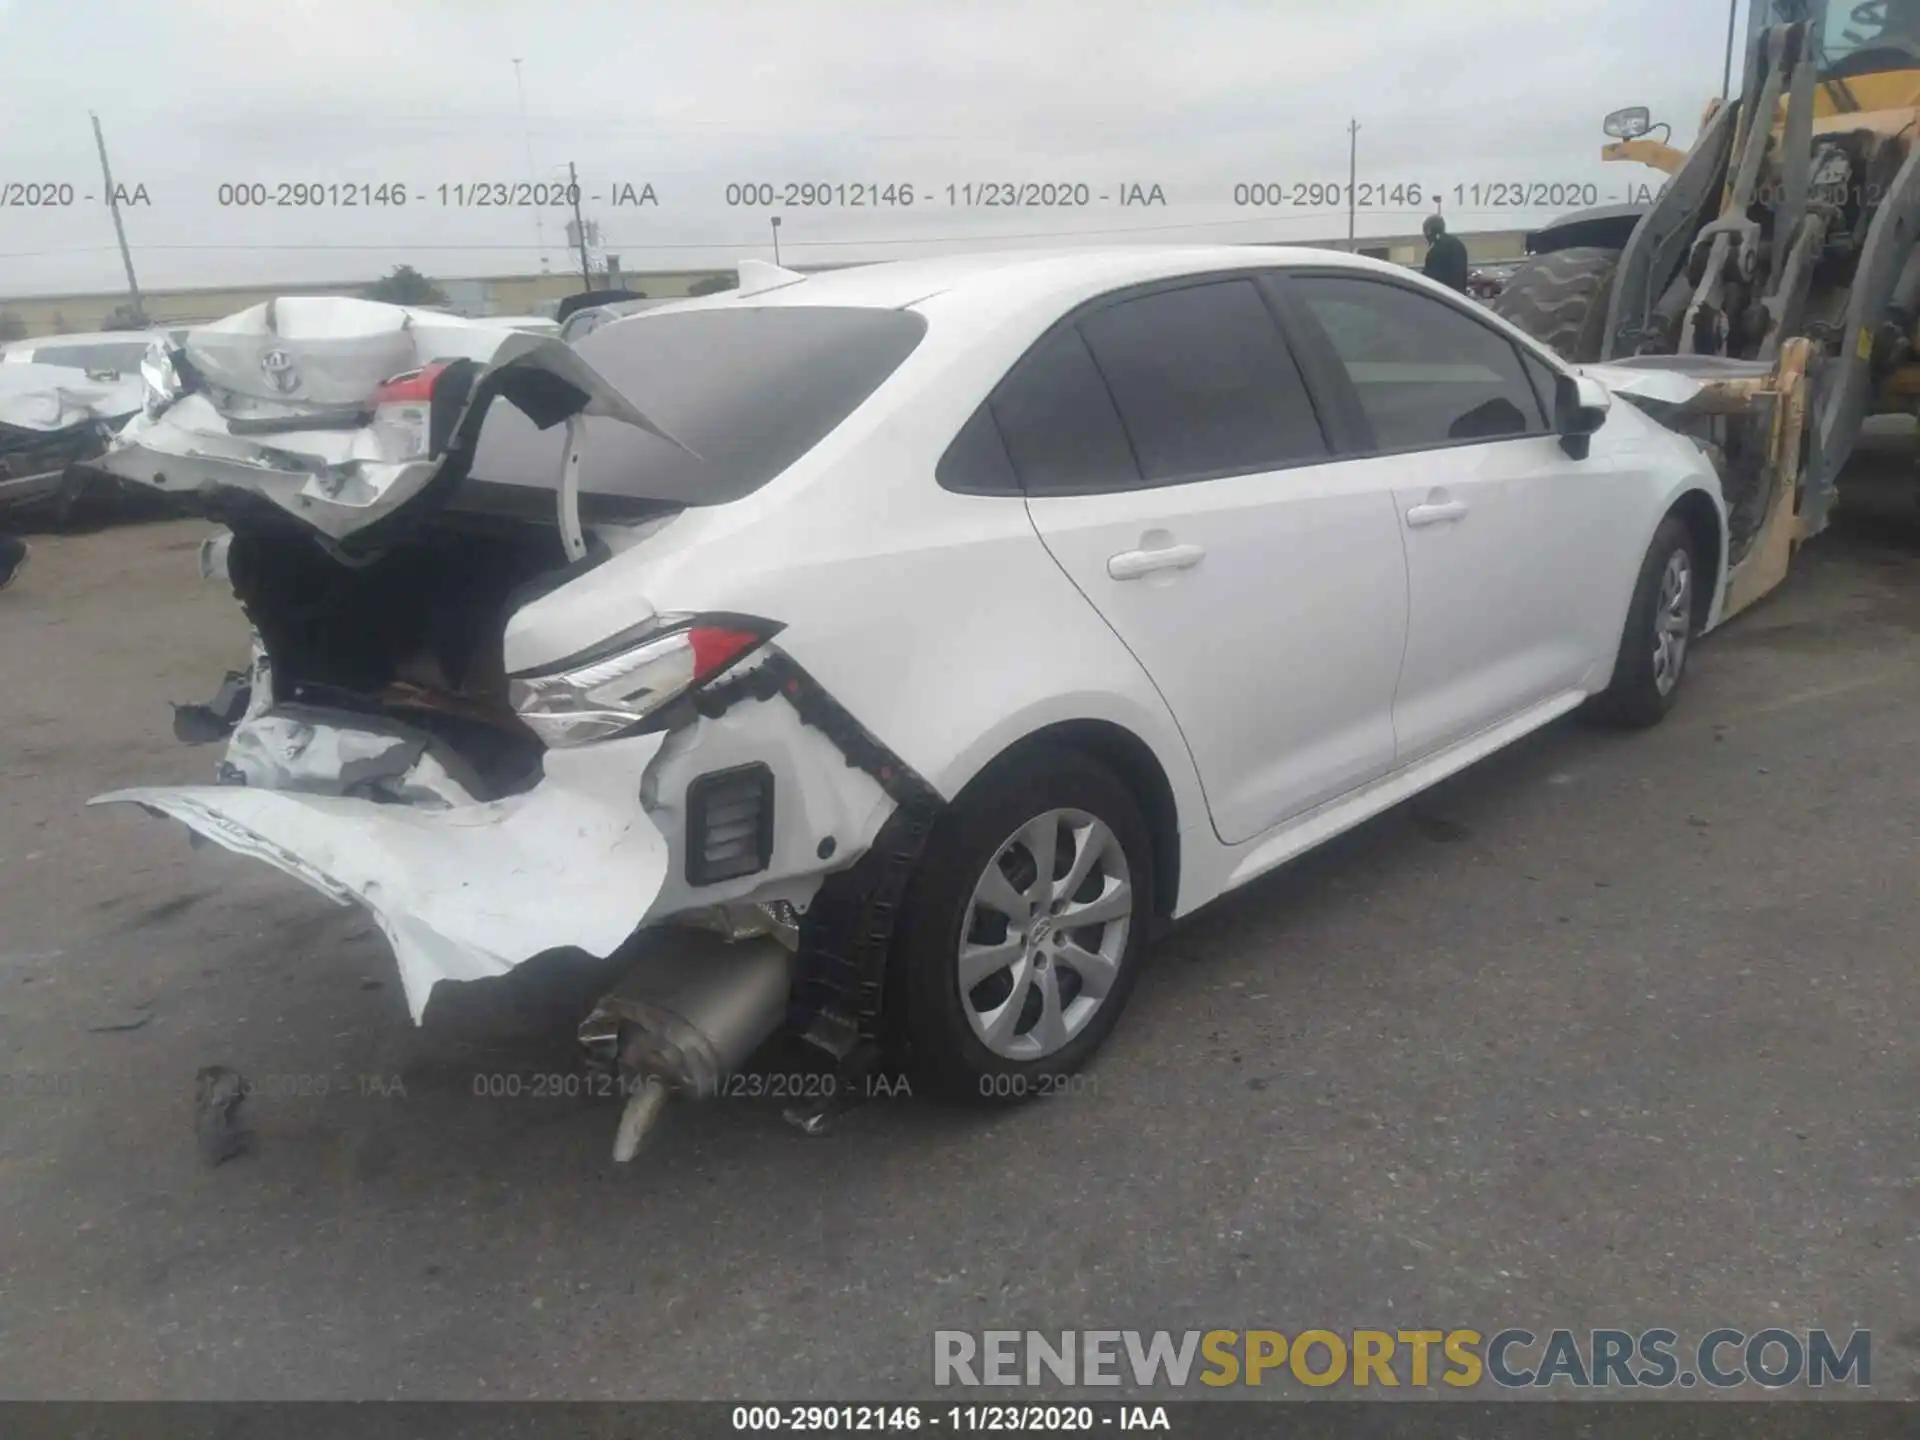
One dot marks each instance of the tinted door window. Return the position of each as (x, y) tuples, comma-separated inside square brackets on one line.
[(1426, 374), (1546, 382), (1204, 383), (1057, 418)]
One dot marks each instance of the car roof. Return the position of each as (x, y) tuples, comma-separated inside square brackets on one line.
[(1025, 275)]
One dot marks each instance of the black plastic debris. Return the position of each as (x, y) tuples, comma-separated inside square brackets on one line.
[(217, 1095), (204, 724)]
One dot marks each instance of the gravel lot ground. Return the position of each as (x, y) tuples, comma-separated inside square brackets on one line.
[(1609, 1031)]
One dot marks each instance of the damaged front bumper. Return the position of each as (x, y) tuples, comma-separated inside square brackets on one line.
[(1751, 417)]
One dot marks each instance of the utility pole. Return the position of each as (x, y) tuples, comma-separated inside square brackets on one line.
[(1353, 179), (776, 239), (119, 229), (579, 225), (1726, 78), (533, 175)]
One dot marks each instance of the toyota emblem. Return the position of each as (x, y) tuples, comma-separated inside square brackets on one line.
[(277, 366)]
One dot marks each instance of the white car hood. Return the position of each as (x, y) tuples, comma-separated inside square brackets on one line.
[(52, 398), (265, 414), (462, 891)]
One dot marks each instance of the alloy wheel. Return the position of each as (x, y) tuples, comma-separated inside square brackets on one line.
[(1045, 934), (1672, 621)]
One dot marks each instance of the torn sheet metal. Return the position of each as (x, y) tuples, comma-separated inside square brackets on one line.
[(293, 748), (1688, 382), (280, 400), (214, 551), (462, 892)]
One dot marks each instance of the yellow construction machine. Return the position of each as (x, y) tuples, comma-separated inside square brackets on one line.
[(1769, 291)]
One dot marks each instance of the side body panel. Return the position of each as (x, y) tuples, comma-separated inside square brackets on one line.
[(1503, 612), (1278, 650)]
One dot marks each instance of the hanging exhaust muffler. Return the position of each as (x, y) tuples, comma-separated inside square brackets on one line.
[(689, 1014)]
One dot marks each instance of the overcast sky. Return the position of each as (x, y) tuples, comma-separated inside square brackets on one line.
[(1194, 97)]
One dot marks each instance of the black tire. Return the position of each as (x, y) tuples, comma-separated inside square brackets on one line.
[(930, 1032), (1561, 299), (1635, 697)]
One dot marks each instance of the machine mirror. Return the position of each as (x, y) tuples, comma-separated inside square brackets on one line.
[(1628, 124)]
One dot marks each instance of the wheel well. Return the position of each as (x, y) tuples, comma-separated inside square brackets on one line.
[(1130, 758), (1697, 513)]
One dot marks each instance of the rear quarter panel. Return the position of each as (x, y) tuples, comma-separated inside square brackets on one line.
[(938, 619)]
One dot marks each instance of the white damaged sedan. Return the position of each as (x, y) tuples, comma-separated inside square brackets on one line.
[(899, 647)]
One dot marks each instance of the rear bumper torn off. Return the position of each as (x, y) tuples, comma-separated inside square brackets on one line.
[(461, 892)]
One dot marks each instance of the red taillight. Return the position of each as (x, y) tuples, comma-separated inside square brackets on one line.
[(414, 387), (716, 647)]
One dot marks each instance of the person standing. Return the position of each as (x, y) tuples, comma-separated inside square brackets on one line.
[(13, 556), (1446, 256)]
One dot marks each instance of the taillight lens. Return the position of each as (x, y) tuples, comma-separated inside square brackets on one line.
[(616, 692), (403, 413)]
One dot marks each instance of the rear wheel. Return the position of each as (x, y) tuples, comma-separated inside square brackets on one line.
[(1022, 929), (1561, 299)]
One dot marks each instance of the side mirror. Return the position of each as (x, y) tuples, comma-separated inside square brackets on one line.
[(1580, 406), (1628, 124)]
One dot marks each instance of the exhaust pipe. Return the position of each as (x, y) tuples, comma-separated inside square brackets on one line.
[(688, 1015)]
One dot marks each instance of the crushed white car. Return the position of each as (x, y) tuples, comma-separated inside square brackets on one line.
[(895, 649), (53, 418)]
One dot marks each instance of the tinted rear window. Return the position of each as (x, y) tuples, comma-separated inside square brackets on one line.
[(749, 390)]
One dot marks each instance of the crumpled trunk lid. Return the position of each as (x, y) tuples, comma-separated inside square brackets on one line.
[(283, 402)]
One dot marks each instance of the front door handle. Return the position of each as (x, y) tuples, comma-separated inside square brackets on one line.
[(1132, 564), (1437, 513)]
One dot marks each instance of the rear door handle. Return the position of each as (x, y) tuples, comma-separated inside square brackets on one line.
[(1437, 513), (1132, 564)]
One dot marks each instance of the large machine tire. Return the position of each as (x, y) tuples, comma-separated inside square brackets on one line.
[(1561, 298)]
